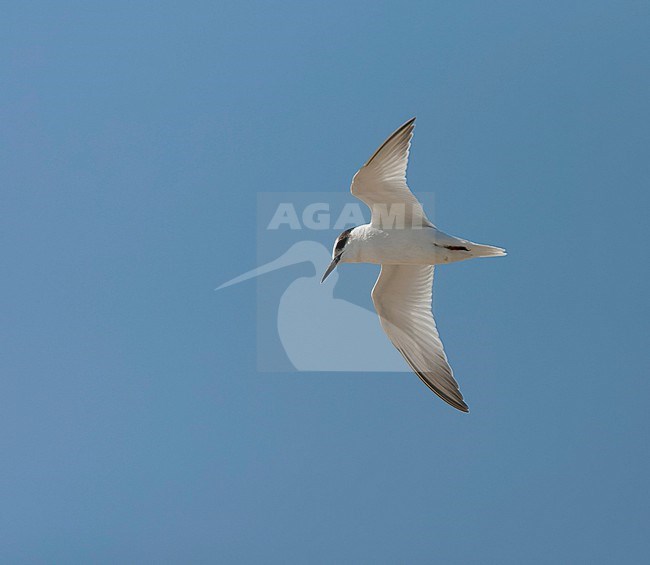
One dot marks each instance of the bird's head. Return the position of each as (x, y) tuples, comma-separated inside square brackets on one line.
[(340, 246)]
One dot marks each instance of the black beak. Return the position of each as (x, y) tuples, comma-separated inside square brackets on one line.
[(331, 267)]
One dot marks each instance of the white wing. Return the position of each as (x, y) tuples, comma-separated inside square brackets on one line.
[(402, 298), (381, 182)]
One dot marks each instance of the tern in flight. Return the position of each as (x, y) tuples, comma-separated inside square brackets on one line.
[(407, 245)]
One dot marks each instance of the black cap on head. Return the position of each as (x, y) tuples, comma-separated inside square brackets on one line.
[(341, 240), (339, 245)]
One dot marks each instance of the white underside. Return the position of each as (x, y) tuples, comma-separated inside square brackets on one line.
[(410, 246)]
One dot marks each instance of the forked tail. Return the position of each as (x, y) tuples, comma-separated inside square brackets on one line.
[(479, 250)]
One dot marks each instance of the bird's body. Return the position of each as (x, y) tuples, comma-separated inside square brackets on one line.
[(420, 246), (407, 245)]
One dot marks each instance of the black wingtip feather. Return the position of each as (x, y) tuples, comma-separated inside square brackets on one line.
[(392, 136)]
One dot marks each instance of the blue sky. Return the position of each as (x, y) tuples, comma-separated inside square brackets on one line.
[(133, 422)]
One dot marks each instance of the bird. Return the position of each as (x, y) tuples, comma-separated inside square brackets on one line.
[(306, 344), (407, 245)]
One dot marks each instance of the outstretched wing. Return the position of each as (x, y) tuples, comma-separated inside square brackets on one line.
[(381, 182), (402, 298)]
